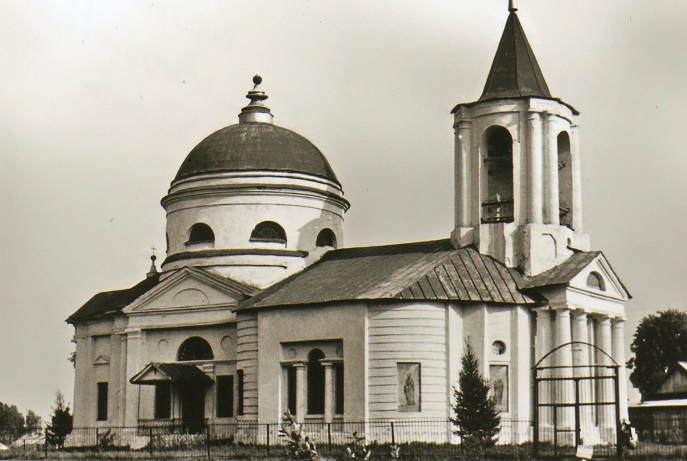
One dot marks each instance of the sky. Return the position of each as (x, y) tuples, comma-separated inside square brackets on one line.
[(100, 102)]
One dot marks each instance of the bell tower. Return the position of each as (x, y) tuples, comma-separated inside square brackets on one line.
[(517, 166)]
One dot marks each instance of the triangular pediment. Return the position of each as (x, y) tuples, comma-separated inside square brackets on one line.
[(102, 359), (190, 289), (599, 278)]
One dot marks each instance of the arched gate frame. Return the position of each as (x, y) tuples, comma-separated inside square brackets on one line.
[(576, 402)]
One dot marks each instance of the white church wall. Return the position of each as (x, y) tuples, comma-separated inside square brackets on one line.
[(407, 333), (301, 324)]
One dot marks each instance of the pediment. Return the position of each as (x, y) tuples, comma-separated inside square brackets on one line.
[(102, 359), (598, 278), (187, 290)]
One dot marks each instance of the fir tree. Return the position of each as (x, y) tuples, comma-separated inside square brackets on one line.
[(61, 422), (475, 415)]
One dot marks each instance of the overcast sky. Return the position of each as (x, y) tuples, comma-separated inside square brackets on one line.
[(101, 101)]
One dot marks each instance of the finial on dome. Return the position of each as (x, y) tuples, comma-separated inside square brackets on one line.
[(256, 111), (153, 270), (512, 7)]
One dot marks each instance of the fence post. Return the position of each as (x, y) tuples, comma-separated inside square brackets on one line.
[(46, 442), (267, 428), (207, 438), (393, 434), (150, 440)]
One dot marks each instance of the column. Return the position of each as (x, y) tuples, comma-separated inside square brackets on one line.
[(543, 347), (551, 165), (463, 217), (301, 391), (328, 392), (581, 358), (534, 135), (576, 178), (565, 389), (605, 387), (618, 333)]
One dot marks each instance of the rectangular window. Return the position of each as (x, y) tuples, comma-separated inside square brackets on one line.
[(291, 389), (239, 385), (163, 400), (225, 396), (102, 402), (338, 388)]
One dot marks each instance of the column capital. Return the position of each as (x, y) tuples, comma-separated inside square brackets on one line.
[(532, 115), (563, 310), (579, 314)]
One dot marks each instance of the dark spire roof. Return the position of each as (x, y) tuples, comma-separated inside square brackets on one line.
[(515, 72)]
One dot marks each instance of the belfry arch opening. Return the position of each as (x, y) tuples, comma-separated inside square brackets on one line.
[(497, 199), (565, 180)]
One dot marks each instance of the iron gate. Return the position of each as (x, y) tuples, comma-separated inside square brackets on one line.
[(576, 402)]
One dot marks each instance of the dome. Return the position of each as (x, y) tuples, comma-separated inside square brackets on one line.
[(251, 146)]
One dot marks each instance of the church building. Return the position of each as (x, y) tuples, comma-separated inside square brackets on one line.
[(259, 307)]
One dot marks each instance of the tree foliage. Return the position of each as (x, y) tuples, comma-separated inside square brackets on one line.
[(33, 421), (11, 419), (61, 422), (659, 343), (475, 415)]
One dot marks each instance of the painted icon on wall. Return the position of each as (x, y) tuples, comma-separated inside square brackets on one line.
[(498, 377), (408, 386)]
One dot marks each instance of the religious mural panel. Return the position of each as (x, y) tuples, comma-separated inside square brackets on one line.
[(498, 378), (408, 375)]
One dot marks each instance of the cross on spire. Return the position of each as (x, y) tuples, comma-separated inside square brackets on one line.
[(512, 7), (153, 248)]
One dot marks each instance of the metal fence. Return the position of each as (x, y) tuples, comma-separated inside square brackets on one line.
[(418, 438)]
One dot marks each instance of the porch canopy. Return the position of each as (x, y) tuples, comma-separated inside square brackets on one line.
[(176, 373)]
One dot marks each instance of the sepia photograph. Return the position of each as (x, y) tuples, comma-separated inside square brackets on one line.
[(343, 230)]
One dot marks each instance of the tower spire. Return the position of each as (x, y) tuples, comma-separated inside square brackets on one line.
[(515, 71), (153, 270)]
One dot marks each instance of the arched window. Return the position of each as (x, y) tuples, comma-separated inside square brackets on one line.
[(200, 232), (326, 238), (315, 383), (195, 348), (565, 180), (497, 205), (268, 231), (594, 280)]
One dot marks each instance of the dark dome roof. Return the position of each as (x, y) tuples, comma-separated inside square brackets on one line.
[(255, 146)]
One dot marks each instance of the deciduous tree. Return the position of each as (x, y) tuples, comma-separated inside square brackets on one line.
[(660, 341)]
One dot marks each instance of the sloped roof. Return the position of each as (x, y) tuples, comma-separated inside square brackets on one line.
[(432, 270), (111, 302), (561, 274), (177, 373), (515, 71)]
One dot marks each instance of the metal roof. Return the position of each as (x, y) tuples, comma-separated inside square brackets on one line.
[(432, 270), (561, 274), (515, 71), (255, 146), (177, 373), (110, 302)]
